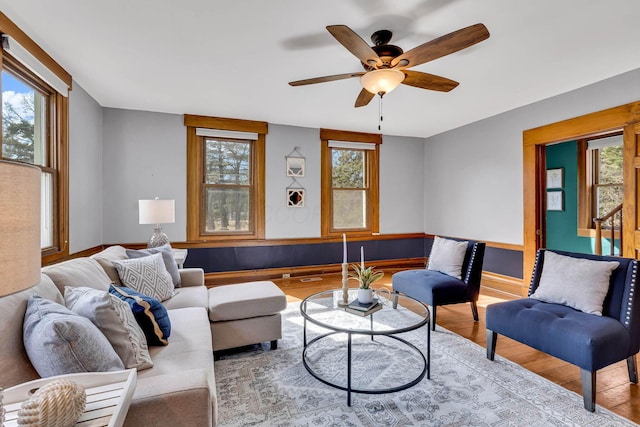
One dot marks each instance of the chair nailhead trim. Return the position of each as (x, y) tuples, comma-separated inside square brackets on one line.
[(634, 274), (535, 267), (473, 255)]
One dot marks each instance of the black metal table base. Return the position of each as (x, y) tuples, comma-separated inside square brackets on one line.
[(349, 389)]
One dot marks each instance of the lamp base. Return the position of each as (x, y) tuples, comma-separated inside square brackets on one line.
[(158, 238)]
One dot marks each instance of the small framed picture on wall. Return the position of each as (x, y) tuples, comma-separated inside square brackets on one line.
[(555, 178), (555, 200)]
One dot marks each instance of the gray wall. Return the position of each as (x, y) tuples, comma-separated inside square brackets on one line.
[(466, 182), (85, 171), (473, 174), (401, 185), (283, 222), (144, 156)]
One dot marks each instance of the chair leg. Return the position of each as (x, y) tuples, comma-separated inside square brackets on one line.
[(395, 299), (274, 344), (474, 311), (588, 379), (492, 339), (631, 366), (433, 317)]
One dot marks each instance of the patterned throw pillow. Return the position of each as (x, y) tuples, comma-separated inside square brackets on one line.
[(59, 341), (115, 320), (167, 258), (146, 275), (149, 313)]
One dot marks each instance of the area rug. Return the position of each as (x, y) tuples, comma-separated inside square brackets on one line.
[(260, 387)]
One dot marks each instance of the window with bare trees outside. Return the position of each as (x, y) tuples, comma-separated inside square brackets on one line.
[(227, 185), (600, 176), (225, 178), (349, 182), (35, 129)]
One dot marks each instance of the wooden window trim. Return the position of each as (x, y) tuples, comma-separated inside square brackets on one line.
[(57, 135), (195, 174), (587, 169), (373, 176)]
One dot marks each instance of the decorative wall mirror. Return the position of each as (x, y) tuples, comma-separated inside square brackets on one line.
[(295, 197), (295, 163), (295, 166)]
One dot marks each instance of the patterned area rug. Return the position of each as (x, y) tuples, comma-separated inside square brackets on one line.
[(260, 387)]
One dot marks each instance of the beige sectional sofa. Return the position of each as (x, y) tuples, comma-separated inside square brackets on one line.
[(179, 390)]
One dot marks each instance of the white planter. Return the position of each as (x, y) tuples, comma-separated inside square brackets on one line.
[(365, 296)]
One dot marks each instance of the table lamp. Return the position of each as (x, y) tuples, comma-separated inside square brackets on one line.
[(157, 212), (20, 257)]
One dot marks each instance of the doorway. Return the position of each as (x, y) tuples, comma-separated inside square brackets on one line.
[(535, 142)]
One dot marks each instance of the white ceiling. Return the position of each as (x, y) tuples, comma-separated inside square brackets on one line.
[(234, 58)]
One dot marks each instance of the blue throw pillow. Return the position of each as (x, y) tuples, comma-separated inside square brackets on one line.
[(149, 313)]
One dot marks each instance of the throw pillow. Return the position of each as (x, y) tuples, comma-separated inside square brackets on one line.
[(575, 282), (447, 256), (115, 320), (58, 341), (149, 313), (167, 258), (146, 275)]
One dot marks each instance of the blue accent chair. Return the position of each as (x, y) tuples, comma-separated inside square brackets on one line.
[(434, 288), (591, 342)]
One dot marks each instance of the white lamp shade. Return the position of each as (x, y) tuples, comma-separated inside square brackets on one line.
[(156, 211), (20, 256), (382, 81)]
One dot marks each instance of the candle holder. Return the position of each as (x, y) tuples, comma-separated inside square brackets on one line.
[(345, 285)]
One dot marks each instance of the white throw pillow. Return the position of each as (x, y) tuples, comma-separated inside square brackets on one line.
[(447, 256), (575, 282), (147, 275), (115, 320)]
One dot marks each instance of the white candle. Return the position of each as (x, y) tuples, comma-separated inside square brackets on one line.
[(344, 248), (361, 258)]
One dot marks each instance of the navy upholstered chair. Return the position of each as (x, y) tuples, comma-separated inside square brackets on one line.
[(435, 288), (587, 340)]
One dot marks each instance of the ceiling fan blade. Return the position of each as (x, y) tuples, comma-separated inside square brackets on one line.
[(364, 98), (354, 44), (428, 81), (325, 79), (442, 46)]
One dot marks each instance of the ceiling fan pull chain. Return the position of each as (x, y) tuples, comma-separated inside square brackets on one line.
[(380, 113)]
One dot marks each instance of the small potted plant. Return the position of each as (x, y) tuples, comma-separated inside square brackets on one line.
[(365, 277)]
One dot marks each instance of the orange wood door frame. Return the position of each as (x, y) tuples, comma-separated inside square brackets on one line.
[(534, 141)]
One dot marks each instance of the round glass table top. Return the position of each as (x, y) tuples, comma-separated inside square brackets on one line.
[(322, 309)]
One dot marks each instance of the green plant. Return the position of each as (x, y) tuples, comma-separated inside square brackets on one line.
[(365, 276)]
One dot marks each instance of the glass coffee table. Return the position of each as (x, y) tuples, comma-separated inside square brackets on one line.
[(377, 359)]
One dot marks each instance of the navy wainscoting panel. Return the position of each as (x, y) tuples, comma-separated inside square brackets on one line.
[(214, 260), (503, 261)]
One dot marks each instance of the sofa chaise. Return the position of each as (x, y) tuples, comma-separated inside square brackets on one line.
[(179, 390)]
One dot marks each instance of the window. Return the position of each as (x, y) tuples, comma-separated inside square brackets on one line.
[(349, 182), (35, 128), (601, 178), (225, 178)]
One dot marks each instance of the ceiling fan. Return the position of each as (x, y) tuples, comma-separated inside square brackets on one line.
[(387, 65)]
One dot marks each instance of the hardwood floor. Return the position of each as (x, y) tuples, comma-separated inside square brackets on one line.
[(614, 391)]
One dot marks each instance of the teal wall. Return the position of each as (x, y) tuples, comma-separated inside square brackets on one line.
[(562, 226)]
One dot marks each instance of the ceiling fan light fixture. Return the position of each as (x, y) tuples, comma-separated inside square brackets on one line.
[(382, 81)]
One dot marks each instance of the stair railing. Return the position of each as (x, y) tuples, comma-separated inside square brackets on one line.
[(612, 228)]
